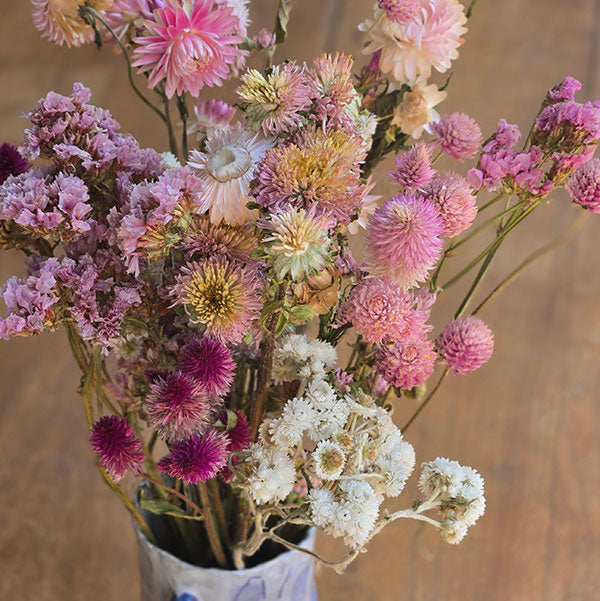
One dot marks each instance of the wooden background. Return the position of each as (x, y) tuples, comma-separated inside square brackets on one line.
[(529, 420)]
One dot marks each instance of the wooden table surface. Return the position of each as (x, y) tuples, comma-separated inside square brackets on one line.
[(529, 420)]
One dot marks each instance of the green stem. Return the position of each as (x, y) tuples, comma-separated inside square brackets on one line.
[(211, 527), (183, 113), (172, 141), (489, 203), (426, 401)]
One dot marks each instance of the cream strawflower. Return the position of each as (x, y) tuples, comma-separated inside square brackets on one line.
[(226, 168), (410, 50), (416, 109)]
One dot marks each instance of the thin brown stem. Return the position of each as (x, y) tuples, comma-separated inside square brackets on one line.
[(215, 496), (426, 401), (210, 526), (173, 491)]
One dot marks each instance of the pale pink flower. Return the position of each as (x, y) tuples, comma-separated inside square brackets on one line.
[(413, 168), (466, 344), (584, 186), (401, 11), (410, 50), (403, 241), (458, 135), (407, 363), (210, 115), (188, 47), (416, 110), (455, 200)]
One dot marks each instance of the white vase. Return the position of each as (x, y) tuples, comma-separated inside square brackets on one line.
[(287, 577)]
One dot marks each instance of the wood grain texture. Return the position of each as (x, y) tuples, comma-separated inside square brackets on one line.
[(529, 420)]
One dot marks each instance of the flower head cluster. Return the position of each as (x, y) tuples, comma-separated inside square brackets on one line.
[(117, 446), (297, 356), (458, 493), (584, 186), (414, 39), (458, 135), (221, 296), (408, 362), (413, 168), (404, 240), (226, 168), (274, 102), (465, 344), (320, 169), (188, 46), (297, 242)]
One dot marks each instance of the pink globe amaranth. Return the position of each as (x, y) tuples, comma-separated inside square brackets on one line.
[(466, 343), (197, 459), (210, 363), (407, 363), (584, 186), (118, 448), (403, 239), (401, 11), (188, 48), (413, 168), (455, 200), (458, 135), (177, 406)]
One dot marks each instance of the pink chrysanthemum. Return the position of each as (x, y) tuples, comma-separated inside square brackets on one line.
[(408, 363), (466, 344), (377, 309), (117, 446), (273, 102), (197, 459), (222, 296), (410, 50), (403, 240), (209, 363), (413, 168), (60, 22), (188, 47), (401, 11), (455, 200), (584, 186), (321, 169), (177, 406), (458, 135)]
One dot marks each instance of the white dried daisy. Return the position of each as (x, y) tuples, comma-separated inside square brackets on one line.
[(441, 475), (226, 168), (297, 416), (453, 531), (322, 506), (329, 460), (272, 475)]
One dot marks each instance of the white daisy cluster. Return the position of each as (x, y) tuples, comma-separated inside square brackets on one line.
[(298, 357), (458, 493)]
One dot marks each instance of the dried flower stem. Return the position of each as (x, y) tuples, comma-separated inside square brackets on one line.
[(211, 527), (422, 406)]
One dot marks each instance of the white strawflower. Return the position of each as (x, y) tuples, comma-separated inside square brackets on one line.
[(468, 504), (297, 416), (331, 413), (322, 506), (298, 242), (396, 461), (357, 513), (226, 168), (453, 531), (291, 354), (171, 161), (273, 474), (443, 475), (323, 355), (329, 460), (364, 121)]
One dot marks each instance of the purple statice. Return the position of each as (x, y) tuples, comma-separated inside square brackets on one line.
[(413, 168), (197, 459), (210, 363), (68, 127), (47, 203), (584, 186), (455, 200), (11, 162), (98, 305), (30, 302), (118, 448), (564, 91), (156, 216), (177, 406), (458, 135)]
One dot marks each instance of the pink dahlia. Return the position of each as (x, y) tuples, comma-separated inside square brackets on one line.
[(455, 200), (221, 296), (210, 363), (410, 49), (117, 446), (401, 11), (377, 309), (197, 459), (413, 168), (403, 239), (458, 135), (189, 46), (177, 406), (584, 186), (408, 363), (466, 344)]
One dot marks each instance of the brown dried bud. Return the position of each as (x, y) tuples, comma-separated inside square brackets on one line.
[(320, 291)]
